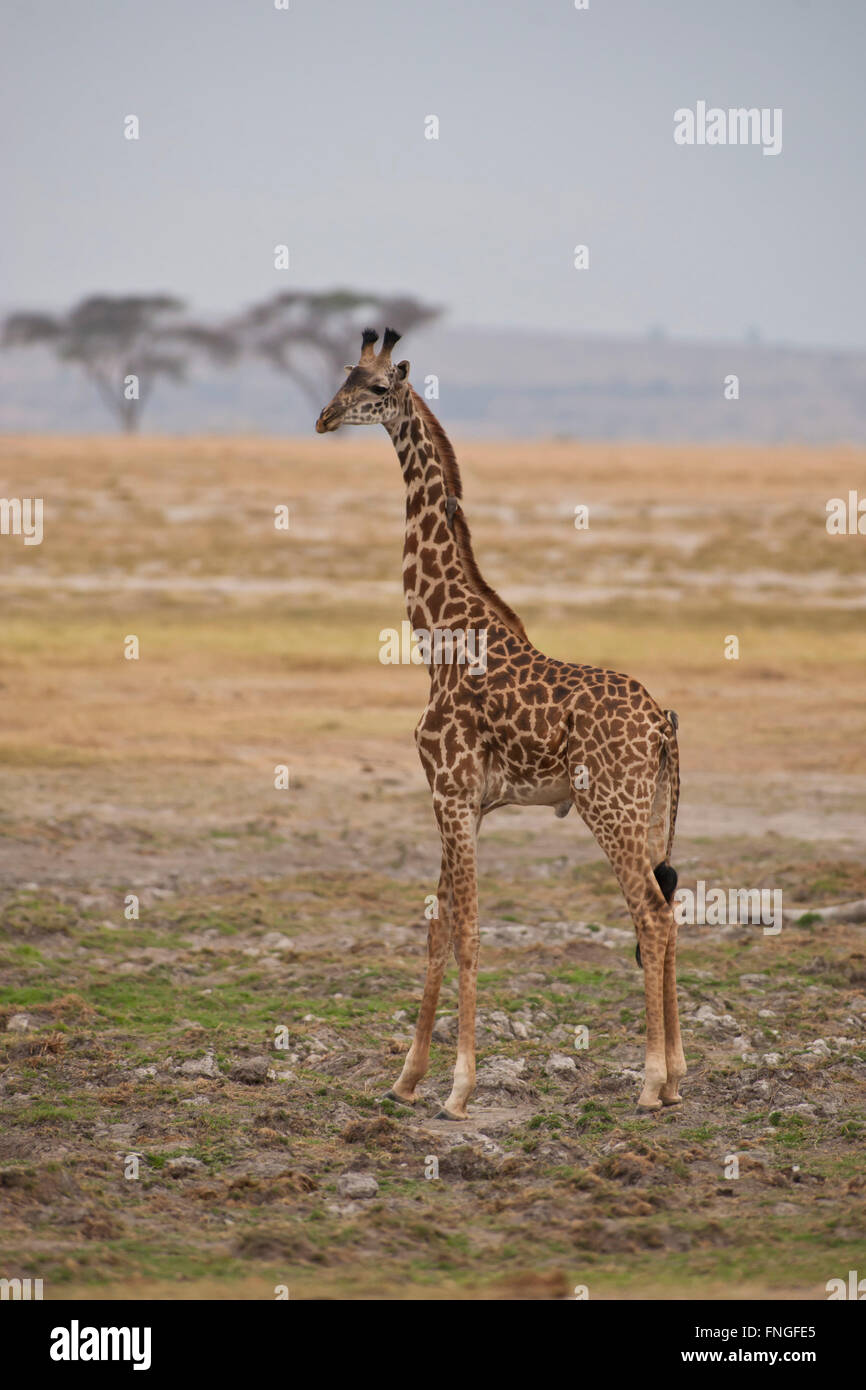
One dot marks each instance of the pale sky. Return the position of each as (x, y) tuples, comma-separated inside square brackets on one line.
[(306, 127)]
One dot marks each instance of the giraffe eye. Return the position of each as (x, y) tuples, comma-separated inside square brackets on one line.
[(379, 390)]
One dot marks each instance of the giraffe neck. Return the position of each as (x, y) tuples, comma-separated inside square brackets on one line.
[(441, 580)]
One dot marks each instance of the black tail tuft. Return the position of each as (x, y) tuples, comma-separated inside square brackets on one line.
[(666, 878)]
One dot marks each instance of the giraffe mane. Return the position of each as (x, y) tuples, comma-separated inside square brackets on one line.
[(454, 488)]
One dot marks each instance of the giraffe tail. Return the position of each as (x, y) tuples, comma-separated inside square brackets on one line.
[(673, 762), (665, 873)]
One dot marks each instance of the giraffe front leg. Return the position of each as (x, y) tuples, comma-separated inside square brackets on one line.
[(466, 951), (674, 1055), (438, 946), (459, 828)]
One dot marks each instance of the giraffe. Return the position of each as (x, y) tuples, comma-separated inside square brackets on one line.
[(518, 728)]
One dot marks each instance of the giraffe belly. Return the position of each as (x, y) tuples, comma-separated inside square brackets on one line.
[(508, 790), (545, 794)]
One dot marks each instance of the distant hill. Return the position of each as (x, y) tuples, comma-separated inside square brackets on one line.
[(508, 383)]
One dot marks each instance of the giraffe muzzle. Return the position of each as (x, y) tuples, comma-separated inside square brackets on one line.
[(328, 420)]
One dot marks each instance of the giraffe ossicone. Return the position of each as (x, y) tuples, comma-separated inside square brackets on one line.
[(517, 733)]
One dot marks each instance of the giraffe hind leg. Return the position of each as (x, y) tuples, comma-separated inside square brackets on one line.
[(666, 878), (665, 873), (675, 1061), (629, 834)]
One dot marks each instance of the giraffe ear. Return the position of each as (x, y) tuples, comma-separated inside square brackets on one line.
[(403, 369), (350, 368)]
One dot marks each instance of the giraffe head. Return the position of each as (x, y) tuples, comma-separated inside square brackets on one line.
[(373, 391)]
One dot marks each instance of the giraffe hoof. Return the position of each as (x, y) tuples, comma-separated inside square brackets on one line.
[(649, 1104), (671, 1100), (397, 1100), (445, 1115)]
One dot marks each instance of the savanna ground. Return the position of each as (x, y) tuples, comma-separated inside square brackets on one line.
[(303, 910)]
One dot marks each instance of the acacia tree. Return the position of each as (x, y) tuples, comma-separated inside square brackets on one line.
[(124, 344), (311, 335)]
